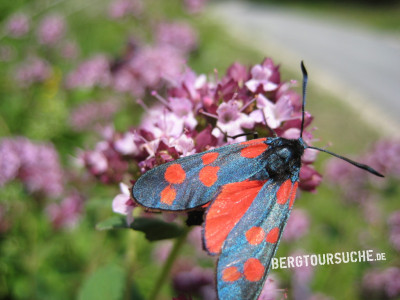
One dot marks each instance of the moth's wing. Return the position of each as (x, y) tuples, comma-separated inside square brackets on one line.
[(246, 253), (193, 181)]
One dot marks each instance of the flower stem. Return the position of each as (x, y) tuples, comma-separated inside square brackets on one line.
[(169, 263)]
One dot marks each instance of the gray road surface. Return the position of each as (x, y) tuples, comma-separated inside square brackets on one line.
[(359, 65)]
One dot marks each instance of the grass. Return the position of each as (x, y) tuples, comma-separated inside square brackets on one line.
[(379, 17)]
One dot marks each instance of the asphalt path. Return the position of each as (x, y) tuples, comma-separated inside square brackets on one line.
[(359, 65)]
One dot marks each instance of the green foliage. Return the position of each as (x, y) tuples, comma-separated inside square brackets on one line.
[(154, 229), (106, 283)]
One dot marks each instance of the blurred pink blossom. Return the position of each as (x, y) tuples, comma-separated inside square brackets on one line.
[(194, 6), (122, 8), (92, 72), (32, 70), (93, 113), (297, 226), (394, 229), (17, 25), (51, 30), (386, 281), (36, 165), (66, 214), (178, 35), (270, 290)]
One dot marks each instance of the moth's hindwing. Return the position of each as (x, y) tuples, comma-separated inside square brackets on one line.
[(246, 254)]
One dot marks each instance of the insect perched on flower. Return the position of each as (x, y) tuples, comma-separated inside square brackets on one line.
[(248, 190)]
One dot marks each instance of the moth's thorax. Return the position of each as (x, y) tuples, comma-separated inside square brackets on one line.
[(283, 158)]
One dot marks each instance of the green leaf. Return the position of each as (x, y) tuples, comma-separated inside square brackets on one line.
[(114, 222), (106, 283), (155, 229)]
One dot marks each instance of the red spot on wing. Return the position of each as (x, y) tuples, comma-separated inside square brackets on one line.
[(273, 235), (227, 209), (255, 235), (253, 269), (168, 195), (282, 196), (293, 194), (230, 274), (175, 174), (209, 158), (253, 150), (208, 175)]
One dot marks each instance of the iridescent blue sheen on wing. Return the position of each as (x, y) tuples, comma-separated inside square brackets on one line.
[(199, 179)]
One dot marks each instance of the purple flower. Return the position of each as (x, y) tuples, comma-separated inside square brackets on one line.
[(122, 8), (394, 229), (66, 214), (309, 178), (188, 85), (238, 73), (161, 251), (270, 290), (91, 114), (386, 281), (93, 72), (36, 165), (297, 226), (17, 25), (274, 113), (231, 120), (194, 6), (33, 70), (126, 145), (152, 66), (10, 161), (178, 35), (95, 160), (51, 30), (123, 204), (194, 280), (264, 77)]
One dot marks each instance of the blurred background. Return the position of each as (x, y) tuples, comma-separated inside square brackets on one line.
[(76, 77)]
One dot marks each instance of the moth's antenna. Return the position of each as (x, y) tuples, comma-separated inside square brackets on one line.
[(305, 79), (361, 166)]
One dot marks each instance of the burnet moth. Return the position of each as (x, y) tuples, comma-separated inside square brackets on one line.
[(249, 190)]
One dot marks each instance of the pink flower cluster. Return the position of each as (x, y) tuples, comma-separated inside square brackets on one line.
[(93, 72), (394, 229), (33, 70), (193, 116), (356, 183), (17, 25), (36, 165), (92, 114), (51, 30), (383, 284), (142, 67), (66, 214), (122, 8)]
